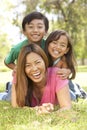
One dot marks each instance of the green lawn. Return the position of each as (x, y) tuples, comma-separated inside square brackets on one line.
[(28, 119), (82, 68)]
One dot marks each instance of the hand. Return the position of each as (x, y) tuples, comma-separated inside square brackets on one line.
[(63, 73), (45, 108)]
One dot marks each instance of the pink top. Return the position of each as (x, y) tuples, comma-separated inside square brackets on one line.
[(54, 84)]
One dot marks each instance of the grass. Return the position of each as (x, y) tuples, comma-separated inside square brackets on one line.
[(28, 119), (82, 68)]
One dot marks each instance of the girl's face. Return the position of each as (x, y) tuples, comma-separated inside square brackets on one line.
[(58, 48), (35, 67)]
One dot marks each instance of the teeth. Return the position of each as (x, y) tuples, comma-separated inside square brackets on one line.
[(35, 35), (56, 52), (36, 74)]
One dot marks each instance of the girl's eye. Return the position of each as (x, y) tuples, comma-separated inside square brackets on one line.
[(54, 42), (63, 45)]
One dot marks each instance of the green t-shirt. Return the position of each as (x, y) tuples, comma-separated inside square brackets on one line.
[(13, 54)]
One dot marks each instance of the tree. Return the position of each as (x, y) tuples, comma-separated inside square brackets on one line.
[(72, 17)]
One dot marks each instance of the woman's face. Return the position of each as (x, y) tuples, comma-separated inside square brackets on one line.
[(59, 47), (35, 67)]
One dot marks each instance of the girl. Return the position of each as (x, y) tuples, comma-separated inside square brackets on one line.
[(60, 54)]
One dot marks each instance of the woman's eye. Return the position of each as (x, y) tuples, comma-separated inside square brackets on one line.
[(37, 62), (27, 65)]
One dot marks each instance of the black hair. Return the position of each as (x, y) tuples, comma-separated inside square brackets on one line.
[(35, 15)]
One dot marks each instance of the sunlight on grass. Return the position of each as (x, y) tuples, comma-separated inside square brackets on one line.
[(82, 68), (27, 119)]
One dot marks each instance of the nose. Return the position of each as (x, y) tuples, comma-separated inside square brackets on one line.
[(34, 67), (58, 46), (35, 29)]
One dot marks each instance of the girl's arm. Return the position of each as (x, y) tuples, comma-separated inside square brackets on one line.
[(64, 73), (63, 97)]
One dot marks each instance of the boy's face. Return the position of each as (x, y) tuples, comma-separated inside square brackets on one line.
[(35, 30)]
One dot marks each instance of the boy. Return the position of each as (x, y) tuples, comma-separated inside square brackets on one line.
[(35, 25)]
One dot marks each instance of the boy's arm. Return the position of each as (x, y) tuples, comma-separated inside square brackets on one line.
[(12, 56), (10, 59), (10, 65)]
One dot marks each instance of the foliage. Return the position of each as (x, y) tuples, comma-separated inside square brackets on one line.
[(70, 19), (4, 46), (70, 16), (28, 4), (4, 24)]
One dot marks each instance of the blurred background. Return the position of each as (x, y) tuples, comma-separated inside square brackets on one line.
[(70, 15)]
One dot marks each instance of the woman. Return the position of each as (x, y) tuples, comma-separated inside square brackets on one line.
[(35, 84)]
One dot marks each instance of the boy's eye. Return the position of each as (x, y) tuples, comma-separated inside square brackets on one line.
[(30, 26), (40, 27)]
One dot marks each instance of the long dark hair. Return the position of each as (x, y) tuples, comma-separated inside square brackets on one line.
[(24, 86), (70, 59)]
